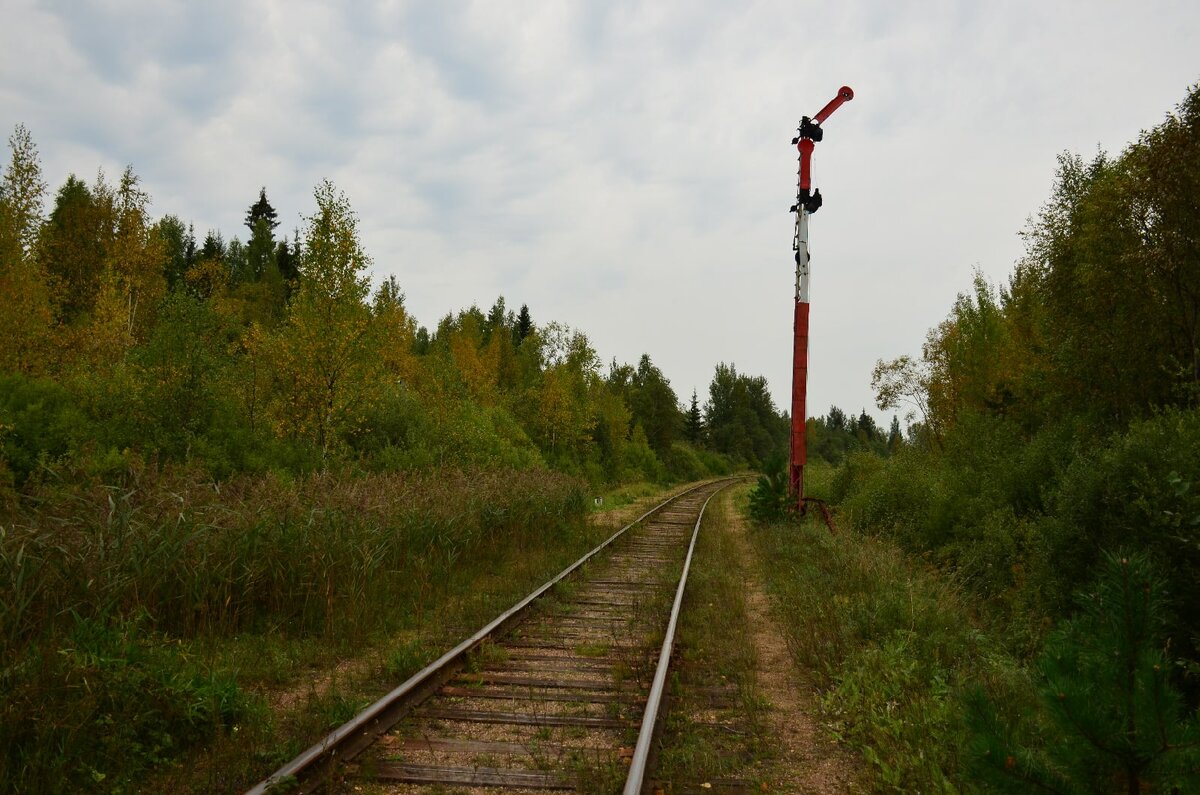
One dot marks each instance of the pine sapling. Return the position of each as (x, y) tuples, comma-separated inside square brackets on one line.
[(1112, 722)]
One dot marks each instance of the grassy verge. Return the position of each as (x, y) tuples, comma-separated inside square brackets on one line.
[(892, 642), (146, 621), (714, 723)]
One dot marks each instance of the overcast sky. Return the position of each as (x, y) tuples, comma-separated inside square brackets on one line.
[(624, 167)]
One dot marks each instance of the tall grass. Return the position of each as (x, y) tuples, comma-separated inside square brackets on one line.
[(891, 642), (101, 587)]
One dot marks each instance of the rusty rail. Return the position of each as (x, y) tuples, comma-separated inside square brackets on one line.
[(641, 752)]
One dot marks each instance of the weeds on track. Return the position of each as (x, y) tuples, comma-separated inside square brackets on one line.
[(714, 724)]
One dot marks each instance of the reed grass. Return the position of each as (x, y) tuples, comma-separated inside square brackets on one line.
[(106, 592)]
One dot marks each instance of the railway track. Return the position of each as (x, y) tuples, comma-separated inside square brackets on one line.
[(561, 692)]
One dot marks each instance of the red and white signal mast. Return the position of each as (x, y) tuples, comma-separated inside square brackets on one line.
[(808, 201)]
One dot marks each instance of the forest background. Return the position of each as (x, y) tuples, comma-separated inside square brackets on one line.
[(126, 338)]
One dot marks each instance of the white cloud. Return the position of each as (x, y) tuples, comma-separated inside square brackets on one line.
[(622, 166)]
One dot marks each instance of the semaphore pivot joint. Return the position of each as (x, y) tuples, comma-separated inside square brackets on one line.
[(809, 130), (810, 201)]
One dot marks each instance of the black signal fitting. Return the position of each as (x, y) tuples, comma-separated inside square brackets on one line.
[(809, 129), (809, 201)]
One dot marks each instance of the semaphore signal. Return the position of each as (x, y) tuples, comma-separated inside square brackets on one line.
[(808, 201)]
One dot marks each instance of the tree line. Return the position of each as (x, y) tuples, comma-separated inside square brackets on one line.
[(837, 434), (125, 338), (1053, 469)]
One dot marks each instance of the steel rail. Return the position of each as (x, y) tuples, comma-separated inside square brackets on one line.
[(374, 720), (641, 752)]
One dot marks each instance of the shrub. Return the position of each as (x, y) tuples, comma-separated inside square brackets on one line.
[(639, 461), (1110, 717), (770, 499), (682, 463), (1139, 489), (39, 421), (114, 700), (714, 463)]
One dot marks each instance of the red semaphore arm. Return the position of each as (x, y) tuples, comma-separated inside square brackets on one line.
[(844, 94)]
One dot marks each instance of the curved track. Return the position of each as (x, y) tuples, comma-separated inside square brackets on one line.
[(561, 692)]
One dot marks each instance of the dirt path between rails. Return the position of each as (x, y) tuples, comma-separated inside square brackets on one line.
[(808, 760)]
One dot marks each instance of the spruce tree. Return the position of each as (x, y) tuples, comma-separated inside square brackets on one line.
[(866, 426), (287, 259), (213, 247), (72, 245), (237, 263), (260, 251), (421, 342), (524, 324), (496, 318), (655, 405), (176, 245), (895, 438), (770, 499), (261, 210), (694, 422)]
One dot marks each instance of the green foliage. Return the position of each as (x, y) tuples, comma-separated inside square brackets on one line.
[(21, 192), (741, 418), (639, 461), (179, 372), (1058, 419), (468, 435), (978, 505), (311, 544), (655, 406), (1111, 719), (261, 212), (72, 247), (260, 251), (324, 355), (179, 244), (407, 658), (1022, 520), (1060, 342), (685, 462), (1135, 489), (100, 585), (890, 644), (272, 354), (693, 422), (835, 436), (40, 422), (115, 700), (26, 305), (524, 325), (771, 500)]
